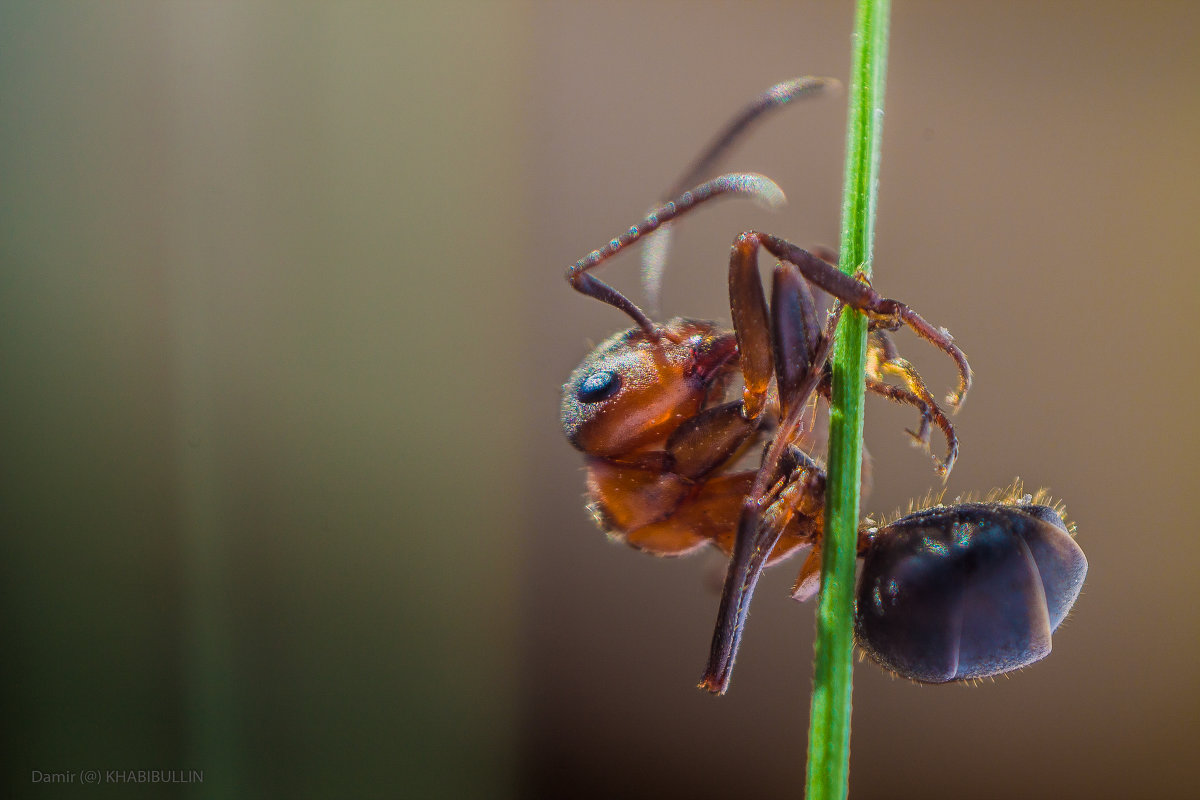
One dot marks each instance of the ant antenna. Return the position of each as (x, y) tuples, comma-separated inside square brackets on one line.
[(759, 188), (654, 252)]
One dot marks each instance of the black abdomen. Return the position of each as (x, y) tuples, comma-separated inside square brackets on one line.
[(953, 593)]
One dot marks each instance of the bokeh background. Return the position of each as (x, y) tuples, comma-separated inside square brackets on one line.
[(282, 330)]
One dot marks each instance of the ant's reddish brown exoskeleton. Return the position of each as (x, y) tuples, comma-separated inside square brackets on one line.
[(651, 410)]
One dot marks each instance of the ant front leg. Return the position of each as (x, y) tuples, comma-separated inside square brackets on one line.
[(786, 339), (781, 342), (857, 294), (785, 342)]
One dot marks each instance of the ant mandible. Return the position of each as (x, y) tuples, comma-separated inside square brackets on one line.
[(649, 408)]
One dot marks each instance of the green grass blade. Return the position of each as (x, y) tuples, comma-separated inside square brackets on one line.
[(829, 720)]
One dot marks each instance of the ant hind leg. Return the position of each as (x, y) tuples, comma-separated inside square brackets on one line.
[(884, 360)]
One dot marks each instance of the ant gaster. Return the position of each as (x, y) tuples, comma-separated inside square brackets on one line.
[(651, 411)]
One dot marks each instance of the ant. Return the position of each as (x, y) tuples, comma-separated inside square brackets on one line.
[(947, 593)]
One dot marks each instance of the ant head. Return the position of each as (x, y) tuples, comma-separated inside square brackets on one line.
[(636, 388)]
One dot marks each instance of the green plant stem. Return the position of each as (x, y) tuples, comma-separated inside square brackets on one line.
[(829, 719)]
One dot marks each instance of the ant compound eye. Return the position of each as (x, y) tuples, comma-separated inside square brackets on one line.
[(598, 386)]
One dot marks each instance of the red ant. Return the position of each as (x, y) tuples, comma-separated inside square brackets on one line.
[(651, 411)]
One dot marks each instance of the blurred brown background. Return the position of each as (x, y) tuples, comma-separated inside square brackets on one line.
[(283, 328)]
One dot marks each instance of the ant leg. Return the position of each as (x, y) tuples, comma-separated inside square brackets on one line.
[(800, 493), (755, 186), (789, 342), (786, 343), (752, 328), (915, 394), (808, 582), (759, 524), (929, 411), (709, 439), (789, 338), (795, 333), (883, 359), (803, 493), (859, 295)]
